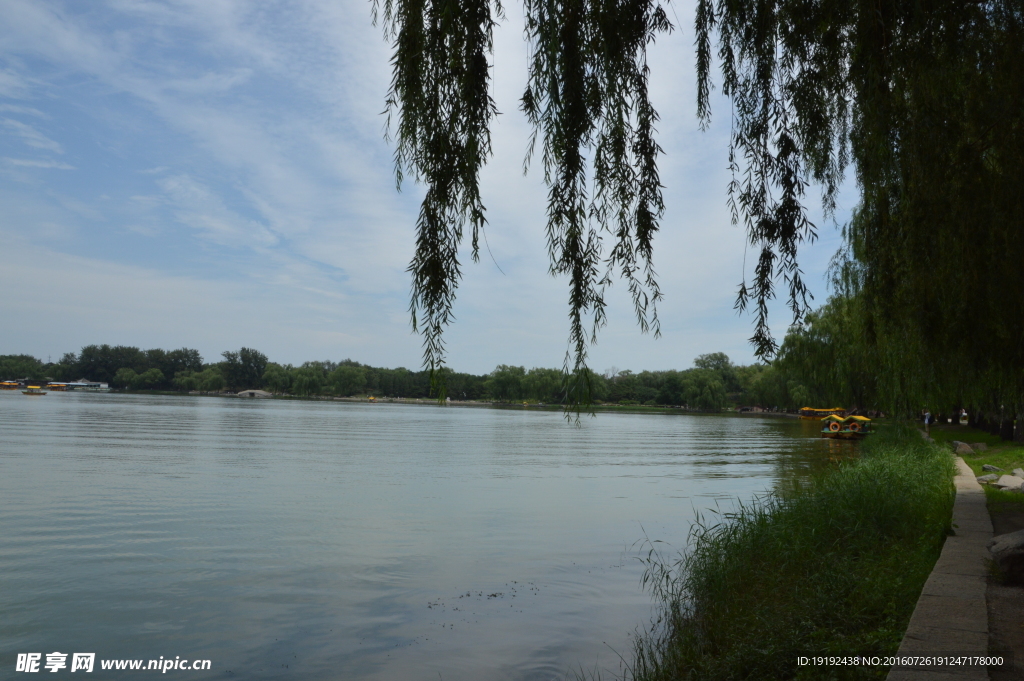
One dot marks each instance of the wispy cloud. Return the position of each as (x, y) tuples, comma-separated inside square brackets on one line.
[(195, 205), (30, 163), (30, 135)]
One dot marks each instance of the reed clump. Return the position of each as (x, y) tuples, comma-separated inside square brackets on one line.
[(831, 567)]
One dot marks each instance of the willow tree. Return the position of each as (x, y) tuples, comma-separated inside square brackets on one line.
[(921, 96)]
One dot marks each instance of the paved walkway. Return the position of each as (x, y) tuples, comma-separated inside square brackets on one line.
[(951, 617)]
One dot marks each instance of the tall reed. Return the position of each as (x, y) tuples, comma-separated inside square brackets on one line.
[(830, 567)]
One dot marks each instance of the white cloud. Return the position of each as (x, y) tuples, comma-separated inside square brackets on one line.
[(196, 206), (30, 135), (30, 163)]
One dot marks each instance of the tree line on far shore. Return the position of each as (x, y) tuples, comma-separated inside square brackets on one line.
[(713, 383)]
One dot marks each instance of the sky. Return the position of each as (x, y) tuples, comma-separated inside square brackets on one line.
[(214, 174)]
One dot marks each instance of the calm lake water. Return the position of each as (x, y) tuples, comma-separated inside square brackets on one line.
[(325, 540)]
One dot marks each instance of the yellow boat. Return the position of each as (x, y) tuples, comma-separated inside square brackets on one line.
[(849, 428), (33, 390), (811, 413), (9, 385)]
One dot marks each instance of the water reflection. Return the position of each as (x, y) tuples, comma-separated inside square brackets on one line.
[(326, 540)]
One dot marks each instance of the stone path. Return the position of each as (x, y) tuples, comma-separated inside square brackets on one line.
[(951, 617)]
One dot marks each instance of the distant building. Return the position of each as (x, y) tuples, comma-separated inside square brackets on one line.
[(85, 385)]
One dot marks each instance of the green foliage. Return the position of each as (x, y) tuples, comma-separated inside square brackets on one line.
[(147, 380), (825, 568), (150, 379), (207, 380), (16, 367), (700, 389), (348, 380), (276, 378), (505, 383), (307, 380), (244, 369), (543, 385), (210, 380), (103, 363), (124, 378)]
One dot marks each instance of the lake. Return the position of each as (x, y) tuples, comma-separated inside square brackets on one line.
[(331, 540)]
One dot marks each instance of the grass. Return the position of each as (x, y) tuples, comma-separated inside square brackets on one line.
[(832, 567)]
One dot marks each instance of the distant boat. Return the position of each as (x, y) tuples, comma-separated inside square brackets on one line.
[(814, 414), (9, 385), (850, 428), (33, 390)]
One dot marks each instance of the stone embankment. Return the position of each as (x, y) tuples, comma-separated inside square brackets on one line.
[(951, 617)]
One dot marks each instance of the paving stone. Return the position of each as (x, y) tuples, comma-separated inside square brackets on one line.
[(942, 641), (963, 586), (959, 614)]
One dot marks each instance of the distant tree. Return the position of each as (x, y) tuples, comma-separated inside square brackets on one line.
[(101, 362), (185, 380), (505, 383), (277, 378), (307, 381), (210, 380), (720, 364), (170, 363), (124, 378), (65, 369), (705, 390), (244, 369), (543, 385), (14, 367), (150, 379), (348, 380), (671, 389)]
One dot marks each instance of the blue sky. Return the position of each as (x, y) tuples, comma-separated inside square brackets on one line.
[(214, 174)]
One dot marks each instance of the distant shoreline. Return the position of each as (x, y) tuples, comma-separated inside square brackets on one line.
[(414, 401)]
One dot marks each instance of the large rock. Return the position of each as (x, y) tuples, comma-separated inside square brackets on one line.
[(963, 448), (991, 469), (1008, 553), (991, 477), (1009, 482), (1019, 472), (979, 446)]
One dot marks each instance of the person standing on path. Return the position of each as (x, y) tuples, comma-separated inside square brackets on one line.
[(927, 421)]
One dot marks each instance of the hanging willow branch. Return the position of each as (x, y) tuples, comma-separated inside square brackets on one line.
[(440, 95), (784, 68), (587, 96), (587, 99)]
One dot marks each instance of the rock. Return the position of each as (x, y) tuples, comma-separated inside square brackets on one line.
[(991, 477), (1011, 481), (991, 469), (963, 448), (1019, 472), (979, 446), (1008, 553)]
